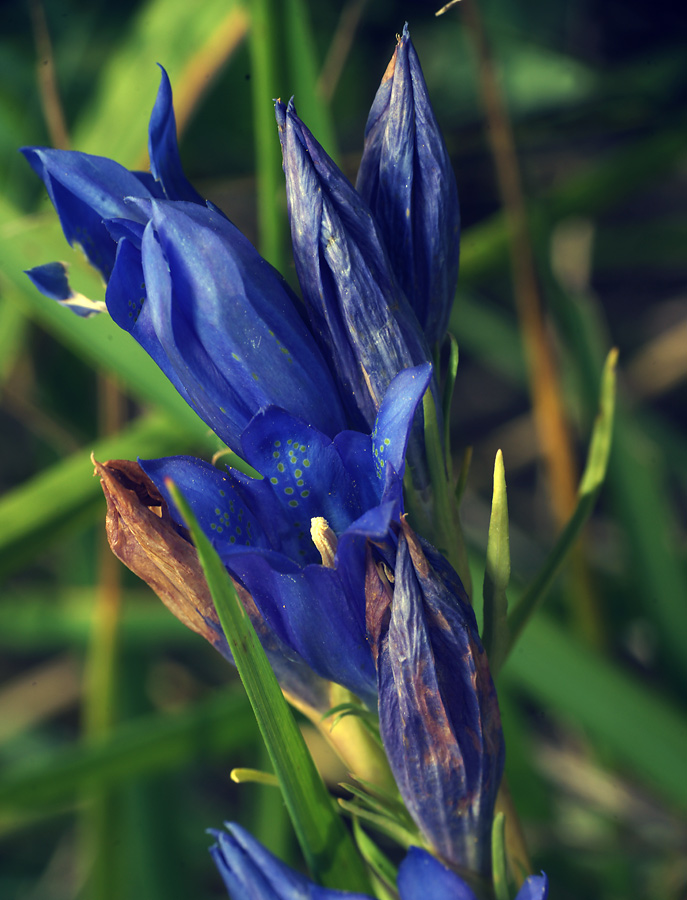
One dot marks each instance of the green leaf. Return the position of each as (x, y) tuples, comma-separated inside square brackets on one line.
[(266, 84), (636, 726), (304, 69), (498, 857), (149, 744), (327, 847), (447, 395), (382, 868), (497, 572), (590, 484), (66, 493)]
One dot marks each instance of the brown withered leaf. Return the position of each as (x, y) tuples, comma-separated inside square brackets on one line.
[(143, 536)]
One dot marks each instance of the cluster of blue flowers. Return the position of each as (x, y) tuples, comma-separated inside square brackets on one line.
[(322, 397)]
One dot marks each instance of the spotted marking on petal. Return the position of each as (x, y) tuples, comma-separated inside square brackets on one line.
[(289, 480), (232, 520), (379, 449)]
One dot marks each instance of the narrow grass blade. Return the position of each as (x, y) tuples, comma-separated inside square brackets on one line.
[(497, 572), (267, 84), (590, 484), (65, 494), (498, 857), (142, 746), (637, 728), (304, 68), (327, 847)]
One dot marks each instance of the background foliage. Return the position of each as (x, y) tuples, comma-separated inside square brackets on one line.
[(117, 727)]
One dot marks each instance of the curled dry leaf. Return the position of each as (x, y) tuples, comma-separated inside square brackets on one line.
[(143, 536)]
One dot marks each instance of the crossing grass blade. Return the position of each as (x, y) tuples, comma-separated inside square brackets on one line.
[(327, 846)]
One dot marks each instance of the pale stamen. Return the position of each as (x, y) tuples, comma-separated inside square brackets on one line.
[(324, 539)]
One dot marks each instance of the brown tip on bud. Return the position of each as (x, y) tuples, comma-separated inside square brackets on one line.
[(391, 68), (143, 536), (420, 561)]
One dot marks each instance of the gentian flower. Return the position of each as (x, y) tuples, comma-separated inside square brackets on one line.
[(438, 711), (250, 872), (406, 178), (220, 322), (356, 307), (311, 595)]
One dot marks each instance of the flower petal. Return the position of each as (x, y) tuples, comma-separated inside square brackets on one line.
[(422, 877), (165, 162), (229, 320), (536, 887), (250, 872), (85, 190), (51, 280)]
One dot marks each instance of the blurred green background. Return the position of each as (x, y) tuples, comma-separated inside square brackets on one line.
[(118, 729)]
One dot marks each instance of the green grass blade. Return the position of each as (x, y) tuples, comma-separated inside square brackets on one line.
[(66, 493), (638, 728), (497, 573), (304, 69), (267, 84), (590, 484), (149, 744), (326, 845), (165, 32), (498, 857)]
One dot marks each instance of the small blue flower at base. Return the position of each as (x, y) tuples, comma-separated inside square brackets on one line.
[(251, 872), (261, 527)]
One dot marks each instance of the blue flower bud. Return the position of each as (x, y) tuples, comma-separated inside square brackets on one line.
[(406, 178), (438, 712), (355, 305)]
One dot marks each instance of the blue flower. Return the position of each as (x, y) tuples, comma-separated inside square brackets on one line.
[(438, 711), (356, 307), (220, 322), (406, 178), (310, 592), (250, 872)]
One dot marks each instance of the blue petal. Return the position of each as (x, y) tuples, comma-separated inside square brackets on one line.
[(312, 612), (220, 511), (307, 478), (422, 877), (353, 300), (163, 149), (251, 872), (395, 418), (536, 887), (85, 190), (231, 322), (51, 280), (406, 177)]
